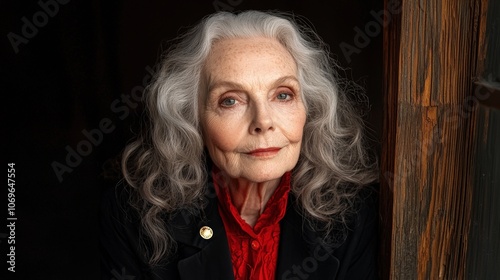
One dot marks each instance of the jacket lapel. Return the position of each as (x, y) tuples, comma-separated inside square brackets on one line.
[(301, 254), (203, 258)]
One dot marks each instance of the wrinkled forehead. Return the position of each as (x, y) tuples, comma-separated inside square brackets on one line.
[(239, 59)]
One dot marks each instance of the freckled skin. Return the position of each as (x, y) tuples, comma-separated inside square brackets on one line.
[(253, 101)]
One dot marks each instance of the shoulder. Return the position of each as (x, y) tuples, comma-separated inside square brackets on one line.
[(359, 252), (120, 235), (351, 246), (125, 245)]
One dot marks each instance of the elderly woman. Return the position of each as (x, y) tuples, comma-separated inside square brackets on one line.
[(253, 166)]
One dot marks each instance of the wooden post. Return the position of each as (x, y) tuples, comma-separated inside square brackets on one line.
[(430, 61)]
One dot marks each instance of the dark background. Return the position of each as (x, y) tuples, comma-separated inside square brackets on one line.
[(71, 74)]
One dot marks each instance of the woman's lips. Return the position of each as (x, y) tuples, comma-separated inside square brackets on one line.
[(266, 152)]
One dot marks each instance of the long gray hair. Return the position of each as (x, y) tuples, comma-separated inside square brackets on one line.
[(165, 166)]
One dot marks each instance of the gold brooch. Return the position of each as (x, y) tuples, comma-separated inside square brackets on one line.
[(206, 232)]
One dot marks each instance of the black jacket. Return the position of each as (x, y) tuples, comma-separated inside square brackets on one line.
[(301, 254)]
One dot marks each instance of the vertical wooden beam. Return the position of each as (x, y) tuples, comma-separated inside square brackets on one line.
[(391, 43), (430, 52)]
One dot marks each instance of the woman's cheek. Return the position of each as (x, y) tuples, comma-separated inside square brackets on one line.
[(222, 132)]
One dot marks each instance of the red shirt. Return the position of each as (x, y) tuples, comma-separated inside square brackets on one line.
[(254, 251)]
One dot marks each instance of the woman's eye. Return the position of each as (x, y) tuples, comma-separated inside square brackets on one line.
[(228, 102), (284, 96)]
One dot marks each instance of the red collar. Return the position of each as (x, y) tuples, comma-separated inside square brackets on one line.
[(273, 213), (254, 251)]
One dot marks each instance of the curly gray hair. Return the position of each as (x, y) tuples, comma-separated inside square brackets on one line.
[(166, 165)]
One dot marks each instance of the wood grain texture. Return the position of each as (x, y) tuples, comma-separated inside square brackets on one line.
[(430, 58)]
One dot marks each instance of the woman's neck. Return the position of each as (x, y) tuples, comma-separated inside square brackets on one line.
[(250, 198)]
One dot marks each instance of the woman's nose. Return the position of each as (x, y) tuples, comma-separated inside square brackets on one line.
[(262, 119)]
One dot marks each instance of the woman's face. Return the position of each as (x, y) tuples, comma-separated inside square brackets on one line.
[(252, 114)]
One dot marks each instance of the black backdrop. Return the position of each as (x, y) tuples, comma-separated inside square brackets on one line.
[(70, 71)]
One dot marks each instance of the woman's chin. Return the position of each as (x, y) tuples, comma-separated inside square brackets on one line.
[(262, 175)]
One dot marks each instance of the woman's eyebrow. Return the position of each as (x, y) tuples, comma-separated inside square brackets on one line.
[(285, 79), (234, 85), (226, 84)]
